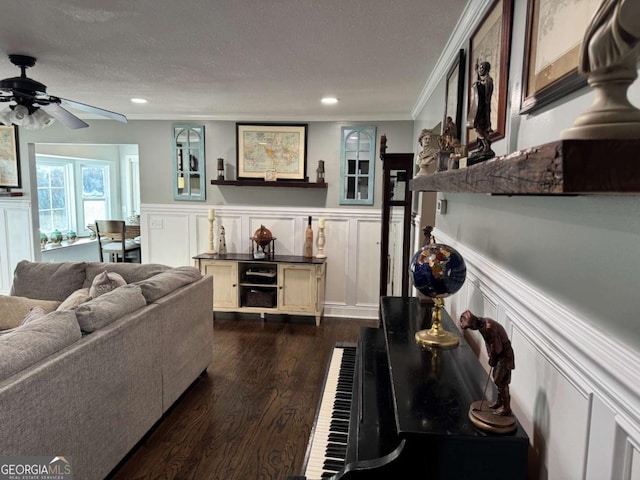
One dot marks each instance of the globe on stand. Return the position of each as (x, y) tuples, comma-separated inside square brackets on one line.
[(437, 271)]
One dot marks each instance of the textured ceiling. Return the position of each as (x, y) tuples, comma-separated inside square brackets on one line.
[(232, 59)]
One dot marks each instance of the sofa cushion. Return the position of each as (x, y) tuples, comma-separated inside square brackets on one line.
[(106, 282), (111, 306), (13, 309), (36, 340), (166, 282), (131, 272), (76, 298), (47, 281)]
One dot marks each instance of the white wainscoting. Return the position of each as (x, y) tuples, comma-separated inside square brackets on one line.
[(174, 234), (575, 391), (16, 238)]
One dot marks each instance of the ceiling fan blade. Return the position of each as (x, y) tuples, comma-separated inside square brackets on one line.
[(89, 109), (63, 116)]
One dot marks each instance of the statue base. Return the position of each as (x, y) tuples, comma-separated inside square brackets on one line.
[(485, 419), (478, 157), (611, 116)]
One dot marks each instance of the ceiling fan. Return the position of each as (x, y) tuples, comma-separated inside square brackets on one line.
[(32, 107)]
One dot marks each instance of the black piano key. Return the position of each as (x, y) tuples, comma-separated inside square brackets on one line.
[(338, 437), (333, 465)]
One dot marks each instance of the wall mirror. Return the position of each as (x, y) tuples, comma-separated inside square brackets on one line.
[(357, 165), (188, 162)]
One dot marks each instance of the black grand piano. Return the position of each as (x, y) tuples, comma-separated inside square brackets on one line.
[(391, 409)]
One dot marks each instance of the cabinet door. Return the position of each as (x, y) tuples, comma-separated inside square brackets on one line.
[(297, 288), (225, 282)]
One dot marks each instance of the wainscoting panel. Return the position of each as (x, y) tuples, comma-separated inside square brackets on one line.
[(575, 391), (173, 234), (15, 216)]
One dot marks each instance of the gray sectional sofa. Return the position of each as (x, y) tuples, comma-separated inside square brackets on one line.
[(89, 382)]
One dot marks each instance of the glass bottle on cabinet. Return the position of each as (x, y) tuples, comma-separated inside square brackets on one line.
[(188, 162), (357, 166)]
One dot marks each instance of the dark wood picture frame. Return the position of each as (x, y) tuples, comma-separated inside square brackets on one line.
[(10, 176), (491, 41), (560, 76), (454, 92), (286, 144)]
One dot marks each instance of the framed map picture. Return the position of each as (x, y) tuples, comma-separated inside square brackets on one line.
[(9, 158), (551, 50), (263, 148), (491, 42)]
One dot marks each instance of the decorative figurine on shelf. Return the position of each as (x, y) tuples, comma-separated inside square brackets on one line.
[(479, 117), (71, 236), (609, 57), (320, 172), (222, 242), (501, 361), (428, 153), (264, 243), (212, 219), (308, 240), (220, 169), (383, 144), (320, 239), (449, 137), (43, 240)]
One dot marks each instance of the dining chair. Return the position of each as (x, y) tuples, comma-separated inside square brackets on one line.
[(113, 241)]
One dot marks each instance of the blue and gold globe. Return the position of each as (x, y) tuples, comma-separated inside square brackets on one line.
[(438, 270)]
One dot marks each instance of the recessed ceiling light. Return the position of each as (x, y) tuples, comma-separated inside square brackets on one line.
[(138, 100), (329, 100)]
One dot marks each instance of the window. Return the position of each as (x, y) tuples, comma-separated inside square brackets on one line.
[(72, 193), (357, 165)]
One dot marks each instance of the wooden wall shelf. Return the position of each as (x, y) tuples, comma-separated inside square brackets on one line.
[(556, 168), (262, 183)]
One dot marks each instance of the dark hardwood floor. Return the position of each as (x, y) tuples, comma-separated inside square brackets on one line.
[(250, 416)]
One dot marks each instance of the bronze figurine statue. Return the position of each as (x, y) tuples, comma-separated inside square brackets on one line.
[(479, 116), (501, 358)]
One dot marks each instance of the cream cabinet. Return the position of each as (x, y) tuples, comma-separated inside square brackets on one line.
[(225, 282), (281, 284)]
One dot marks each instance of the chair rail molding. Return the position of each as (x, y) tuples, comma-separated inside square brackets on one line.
[(174, 234), (599, 373)]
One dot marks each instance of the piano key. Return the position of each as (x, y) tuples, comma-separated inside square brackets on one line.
[(327, 450)]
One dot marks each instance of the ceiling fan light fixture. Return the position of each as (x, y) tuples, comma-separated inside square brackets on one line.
[(20, 116), (4, 116), (42, 119)]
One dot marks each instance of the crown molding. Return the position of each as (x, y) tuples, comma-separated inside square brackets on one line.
[(467, 22)]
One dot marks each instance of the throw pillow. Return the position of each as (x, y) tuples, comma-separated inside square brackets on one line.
[(75, 299), (131, 272), (13, 309), (33, 314), (109, 307), (36, 340), (166, 282), (106, 282), (47, 281)]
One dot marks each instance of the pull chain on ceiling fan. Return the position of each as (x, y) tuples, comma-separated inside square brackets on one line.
[(32, 107)]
